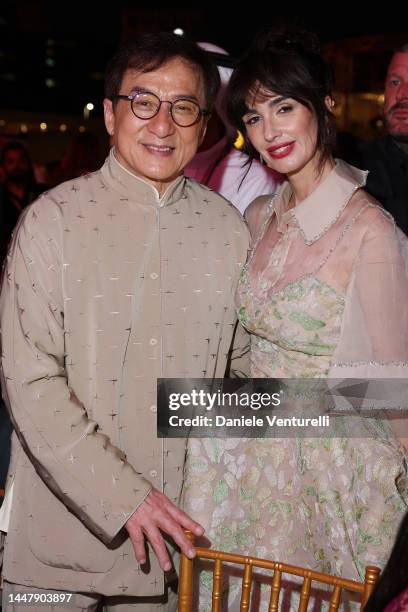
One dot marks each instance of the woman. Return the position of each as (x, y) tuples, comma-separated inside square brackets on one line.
[(324, 293)]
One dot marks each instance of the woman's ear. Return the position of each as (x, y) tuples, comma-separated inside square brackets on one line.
[(330, 103)]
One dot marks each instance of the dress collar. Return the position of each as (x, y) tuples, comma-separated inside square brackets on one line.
[(321, 209), (133, 187)]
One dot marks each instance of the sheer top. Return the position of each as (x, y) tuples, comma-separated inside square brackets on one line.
[(324, 291)]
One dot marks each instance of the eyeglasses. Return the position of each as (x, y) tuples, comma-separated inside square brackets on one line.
[(146, 105)]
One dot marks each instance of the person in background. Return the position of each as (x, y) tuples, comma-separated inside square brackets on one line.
[(115, 279), (17, 190), (83, 155), (218, 164), (387, 158)]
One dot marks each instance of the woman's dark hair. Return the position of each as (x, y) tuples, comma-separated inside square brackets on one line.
[(150, 51), (287, 62), (394, 578)]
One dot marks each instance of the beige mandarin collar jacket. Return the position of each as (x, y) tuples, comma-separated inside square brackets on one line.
[(107, 288)]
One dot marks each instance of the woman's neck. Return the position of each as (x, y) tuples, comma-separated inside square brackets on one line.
[(306, 180)]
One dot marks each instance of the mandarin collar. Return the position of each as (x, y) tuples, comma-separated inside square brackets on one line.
[(321, 209), (135, 188)]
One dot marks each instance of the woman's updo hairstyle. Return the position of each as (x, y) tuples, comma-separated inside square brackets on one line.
[(288, 62)]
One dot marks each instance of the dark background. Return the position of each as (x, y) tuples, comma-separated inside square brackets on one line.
[(53, 55)]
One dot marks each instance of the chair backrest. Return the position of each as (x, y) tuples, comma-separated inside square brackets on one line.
[(365, 588)]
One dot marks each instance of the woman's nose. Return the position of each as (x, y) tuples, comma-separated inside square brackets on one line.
[(271, 130)]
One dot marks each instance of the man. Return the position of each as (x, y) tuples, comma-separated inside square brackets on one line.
[(218, 164), (115, 279), (19, 189), (387, 158)]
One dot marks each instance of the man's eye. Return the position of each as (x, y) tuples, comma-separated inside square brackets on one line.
[(394, 82), (185, 108), (144, 104)]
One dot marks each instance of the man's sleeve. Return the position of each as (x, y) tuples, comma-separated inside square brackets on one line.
[(52, 425)]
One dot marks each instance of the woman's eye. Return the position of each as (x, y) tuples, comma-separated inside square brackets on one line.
[(251, 120), (286, 108)]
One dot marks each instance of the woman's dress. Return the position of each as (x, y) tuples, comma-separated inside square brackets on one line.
[(324, 293)]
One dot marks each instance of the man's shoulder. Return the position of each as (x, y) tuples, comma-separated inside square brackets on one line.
[(214, 201), (380, 148), (60, 201), (220, 211), (70, 189)]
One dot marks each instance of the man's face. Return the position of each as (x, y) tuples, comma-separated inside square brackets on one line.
[(157, 149), (16, 166), (396, 97)]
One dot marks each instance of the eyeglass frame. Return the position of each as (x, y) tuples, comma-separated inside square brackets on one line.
[(203, 112)]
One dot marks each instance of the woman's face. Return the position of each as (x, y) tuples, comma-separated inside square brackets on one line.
[(283, 131)]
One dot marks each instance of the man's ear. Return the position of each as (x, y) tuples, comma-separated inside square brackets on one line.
[(203, 130), (109, 116)]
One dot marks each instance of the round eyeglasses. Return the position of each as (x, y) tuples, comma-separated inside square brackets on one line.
[(145, 105)]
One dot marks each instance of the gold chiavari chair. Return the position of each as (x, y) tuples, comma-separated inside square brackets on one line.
[(186, 580)]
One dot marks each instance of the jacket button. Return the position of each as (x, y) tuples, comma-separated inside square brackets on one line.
[(153, 473), (153, 408)]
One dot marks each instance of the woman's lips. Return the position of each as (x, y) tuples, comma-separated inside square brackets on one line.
[(282, 150)]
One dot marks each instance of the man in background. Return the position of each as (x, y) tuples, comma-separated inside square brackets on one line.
[(387, 157), (17, 190)]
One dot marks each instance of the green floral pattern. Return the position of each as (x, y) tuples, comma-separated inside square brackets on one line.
[(332, 505)]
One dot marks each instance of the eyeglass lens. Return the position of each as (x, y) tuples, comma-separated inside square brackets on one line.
[(147, 105)]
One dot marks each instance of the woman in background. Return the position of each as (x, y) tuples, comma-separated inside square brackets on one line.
[(324, 293)]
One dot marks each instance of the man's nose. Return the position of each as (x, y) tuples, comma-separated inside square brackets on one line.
[(162, 123), (402, 93)]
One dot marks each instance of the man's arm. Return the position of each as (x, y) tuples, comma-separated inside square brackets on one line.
[(52, 425)]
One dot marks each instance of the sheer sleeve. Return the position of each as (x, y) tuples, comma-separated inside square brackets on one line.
[(374, 335)]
